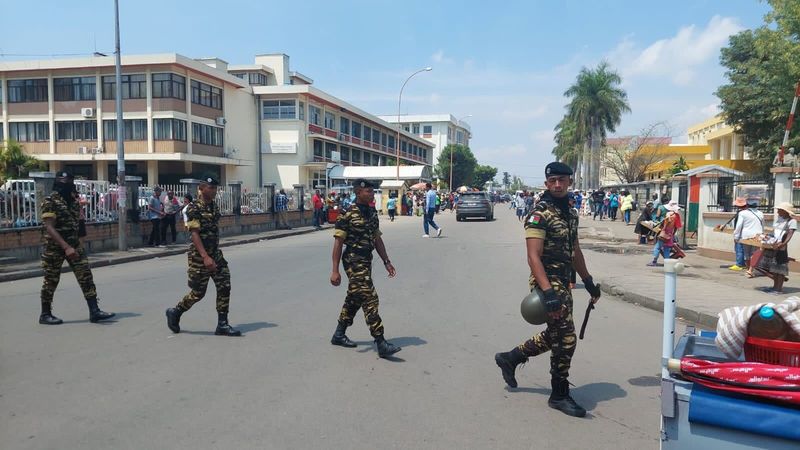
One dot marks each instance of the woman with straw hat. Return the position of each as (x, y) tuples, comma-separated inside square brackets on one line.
[(775, 262)]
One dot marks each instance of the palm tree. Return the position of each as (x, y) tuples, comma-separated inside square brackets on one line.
[(568, 147), (597, 103), (15, 163)]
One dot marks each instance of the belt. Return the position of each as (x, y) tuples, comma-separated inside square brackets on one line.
[(366, 252)]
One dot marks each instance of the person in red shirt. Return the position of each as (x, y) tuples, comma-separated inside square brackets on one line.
[(316, 199)]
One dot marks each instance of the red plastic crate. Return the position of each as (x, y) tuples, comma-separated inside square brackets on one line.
[(782, 353)]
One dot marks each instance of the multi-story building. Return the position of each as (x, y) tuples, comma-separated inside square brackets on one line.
[(181, 116), (440, 130), (258, 124)]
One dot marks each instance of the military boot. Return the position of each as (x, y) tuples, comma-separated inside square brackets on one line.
[(561, 400), (385, 348), (174, 319), (47, 317), (508, 362), (95, 313), (341, 339), (224, 328)]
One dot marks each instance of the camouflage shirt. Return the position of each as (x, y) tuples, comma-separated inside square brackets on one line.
[(359, 228), (66, 217), (204, 217), (559, 230)]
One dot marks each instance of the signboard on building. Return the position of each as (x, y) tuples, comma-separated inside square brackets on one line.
[(281, 147)]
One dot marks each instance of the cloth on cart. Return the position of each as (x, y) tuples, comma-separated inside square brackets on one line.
[(732, 323)]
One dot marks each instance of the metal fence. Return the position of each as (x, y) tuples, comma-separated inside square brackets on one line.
[(725, 190), (18, 205)]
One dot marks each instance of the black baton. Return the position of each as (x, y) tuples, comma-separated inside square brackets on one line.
[(586, 318)]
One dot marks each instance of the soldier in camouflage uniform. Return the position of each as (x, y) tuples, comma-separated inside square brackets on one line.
[(205, 261), (60, 214), (358, 232), (551, 232)]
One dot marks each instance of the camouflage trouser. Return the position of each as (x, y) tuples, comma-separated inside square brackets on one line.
[(559, 336), (52, 259), (361, 294), (198, 281)]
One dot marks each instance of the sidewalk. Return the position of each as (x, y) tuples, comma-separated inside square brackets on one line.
[(705, 288), (10, 271)]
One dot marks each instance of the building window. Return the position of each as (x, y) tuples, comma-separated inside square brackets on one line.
[(133, 86), (206, 95), (207, 134), (344, 125), (415, 128), (330, 121), (376, 160), (329, 149), (376, 136), (76, 130), (403, 146), (427, 129), (27, 91), (459, 137), (391, 141), (302, 111), (74, 89), (279, 109), (169, 130), (367, 133), (449, 133), (406, 128), (384, 139), (254, 78), (355, 156), (356, 130), (314, 114), (345, 153), (29, 131), (317, 148), (169, 85), (134, 129)]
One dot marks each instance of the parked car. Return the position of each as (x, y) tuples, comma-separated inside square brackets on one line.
[(474, 204)]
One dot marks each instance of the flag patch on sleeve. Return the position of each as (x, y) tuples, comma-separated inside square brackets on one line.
[(535, 218)]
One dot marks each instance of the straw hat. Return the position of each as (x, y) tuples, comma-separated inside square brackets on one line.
[(740, 202), (786, 206), (673, 206)]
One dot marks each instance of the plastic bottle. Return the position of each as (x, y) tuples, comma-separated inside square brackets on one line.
[(768, 325)]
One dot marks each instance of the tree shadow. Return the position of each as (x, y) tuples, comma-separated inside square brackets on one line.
[(244, 328), (115, 319), (588, 395), (646, 381)]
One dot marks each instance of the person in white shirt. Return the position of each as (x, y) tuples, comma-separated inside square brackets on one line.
[(749, 224)]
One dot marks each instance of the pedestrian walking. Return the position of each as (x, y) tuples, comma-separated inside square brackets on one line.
[(520, 201), (626, 206), (391, 206), (187, 199), (358, 232), (171, 207), (740, 203), (752, 226), (205, 261), (281, 207), (598, 197), (666, 237), (430, 211), (155, 211), (640, 229), (60, 215), (553, 249), (775, 262), (316, 201), (613, 205)]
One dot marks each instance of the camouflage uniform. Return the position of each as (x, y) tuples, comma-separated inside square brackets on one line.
[(205, 217), (359, 229), (559, 230), (66, 217)]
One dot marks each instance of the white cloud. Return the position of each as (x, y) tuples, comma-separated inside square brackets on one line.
[(677, 57), (440, 58)]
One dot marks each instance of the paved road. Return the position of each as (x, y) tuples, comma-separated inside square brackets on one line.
[(132, 384)]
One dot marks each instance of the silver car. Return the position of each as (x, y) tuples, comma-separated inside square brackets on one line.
[(474, 204)]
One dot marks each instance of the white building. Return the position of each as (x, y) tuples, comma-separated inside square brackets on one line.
[(440, 130)]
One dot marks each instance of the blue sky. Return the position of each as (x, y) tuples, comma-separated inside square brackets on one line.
[(506, 63)]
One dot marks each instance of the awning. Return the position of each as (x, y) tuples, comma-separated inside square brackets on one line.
[(392, 184)]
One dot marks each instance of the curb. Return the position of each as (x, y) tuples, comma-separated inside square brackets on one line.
[(703, 319), (103, 262)]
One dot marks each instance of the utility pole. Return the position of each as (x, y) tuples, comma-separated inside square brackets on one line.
[(399, 125), (122, 189)]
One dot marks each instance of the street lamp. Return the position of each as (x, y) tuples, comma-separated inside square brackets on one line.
[(458, 124), (399, 125)]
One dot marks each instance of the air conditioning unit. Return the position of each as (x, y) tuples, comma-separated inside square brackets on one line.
[(87, 112), (97, 150), (342, 136), (83, 150), (221, 121)]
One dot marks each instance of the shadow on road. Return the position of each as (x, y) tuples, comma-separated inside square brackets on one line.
[(588, 395), (116, 318), (646, 380), (406, 341), (244, 328)]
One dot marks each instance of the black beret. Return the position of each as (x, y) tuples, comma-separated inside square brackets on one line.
[(210, 179), (64, 174), (557, 168), (362, 183)]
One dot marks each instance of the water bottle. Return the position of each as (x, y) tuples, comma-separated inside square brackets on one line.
[(766, 324)]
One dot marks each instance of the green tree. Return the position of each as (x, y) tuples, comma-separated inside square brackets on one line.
[(464, 164), (763, 66), (14, 163), (483, 174), (678, 166), (569, 147), (506, 180), (596, 105)]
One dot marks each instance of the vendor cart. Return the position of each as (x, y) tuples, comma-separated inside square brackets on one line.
[(697, 417)]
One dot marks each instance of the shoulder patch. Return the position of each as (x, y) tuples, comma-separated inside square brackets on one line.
[(535, 218)]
